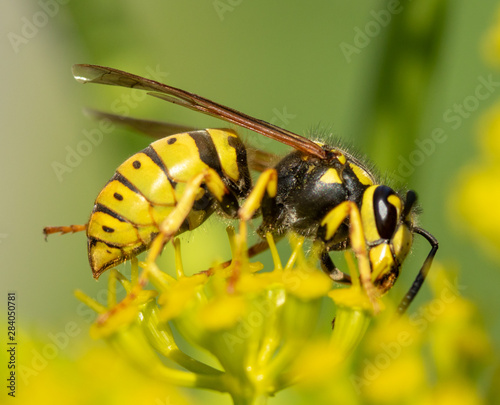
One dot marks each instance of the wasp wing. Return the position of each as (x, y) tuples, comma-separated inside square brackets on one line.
[(155, 129), (114, 77), (260, 160)]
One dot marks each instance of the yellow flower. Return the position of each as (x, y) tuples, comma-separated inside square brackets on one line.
[(491, 44), (253, 324), (476, 187), (97, 376)]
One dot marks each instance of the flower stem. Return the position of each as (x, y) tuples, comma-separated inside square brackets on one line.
[(256, 400)]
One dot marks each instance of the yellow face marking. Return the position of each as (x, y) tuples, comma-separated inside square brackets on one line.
[(227, 153), (402, 241), (361, 174), (331, 176), (396, 201), (341, 158), (381, 260), (126, 203), (368, 217), (181, 157), (149, 179)]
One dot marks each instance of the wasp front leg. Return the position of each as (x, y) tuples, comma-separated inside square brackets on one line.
[(329, 226), (331, 270)]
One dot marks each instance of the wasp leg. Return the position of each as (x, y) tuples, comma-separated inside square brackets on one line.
[(267, 182), (49, 230), (332, 271), (171, 225), (332, 222), (252, 251)]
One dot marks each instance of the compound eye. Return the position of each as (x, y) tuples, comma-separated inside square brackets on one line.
[(386, 214)]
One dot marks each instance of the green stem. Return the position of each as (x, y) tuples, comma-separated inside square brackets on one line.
[(132, 343), (350, 327), (256, 400), (392, 117), (162, 340)]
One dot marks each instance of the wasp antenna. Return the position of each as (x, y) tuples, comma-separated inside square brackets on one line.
[(411, 199), (419, 280)]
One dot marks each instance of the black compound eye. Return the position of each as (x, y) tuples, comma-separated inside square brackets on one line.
[(386, 214)]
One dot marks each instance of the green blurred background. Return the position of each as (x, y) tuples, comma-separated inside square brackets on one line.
[(264, 58)]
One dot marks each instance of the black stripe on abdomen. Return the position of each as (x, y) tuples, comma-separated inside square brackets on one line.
[(151, 153), (207, 151)]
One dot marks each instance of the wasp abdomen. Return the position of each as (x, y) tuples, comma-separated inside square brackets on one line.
[(147, 186)]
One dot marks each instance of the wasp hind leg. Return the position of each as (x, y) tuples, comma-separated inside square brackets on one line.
[(329, 226), (252, 251), (266, 184), (49, 230), (172, 224)]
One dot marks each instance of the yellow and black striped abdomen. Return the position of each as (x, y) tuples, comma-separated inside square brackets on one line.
[(147, 186)]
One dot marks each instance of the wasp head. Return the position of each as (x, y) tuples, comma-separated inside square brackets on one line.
[(388, 225)]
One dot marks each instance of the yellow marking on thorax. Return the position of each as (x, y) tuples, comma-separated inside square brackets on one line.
[(361, 174), (148, 178), (181, 158), (226, 152), (331, 176)]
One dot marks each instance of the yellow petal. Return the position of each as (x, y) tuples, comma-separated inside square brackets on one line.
[(222, 312)]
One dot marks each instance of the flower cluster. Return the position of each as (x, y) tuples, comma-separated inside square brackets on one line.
[(260, 328)]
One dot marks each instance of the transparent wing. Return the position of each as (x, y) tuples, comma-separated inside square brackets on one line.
[(260, 160), (155, 129), (114, 77)]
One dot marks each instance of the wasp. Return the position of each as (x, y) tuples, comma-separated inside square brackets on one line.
[(319, 191)]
